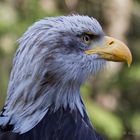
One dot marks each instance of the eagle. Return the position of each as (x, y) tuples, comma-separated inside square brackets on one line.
[(55, 57)]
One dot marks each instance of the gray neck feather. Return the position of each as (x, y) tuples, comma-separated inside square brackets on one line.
[(32, 102)]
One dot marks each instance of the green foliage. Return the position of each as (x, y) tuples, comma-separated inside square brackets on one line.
[(136, 123), (105, 121)]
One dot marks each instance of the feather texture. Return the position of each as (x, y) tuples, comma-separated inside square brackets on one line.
[(60, 125)]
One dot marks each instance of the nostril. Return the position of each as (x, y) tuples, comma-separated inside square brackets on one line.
[(111, 42)]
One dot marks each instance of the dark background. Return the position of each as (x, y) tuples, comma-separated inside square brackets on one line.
[(112, 97)]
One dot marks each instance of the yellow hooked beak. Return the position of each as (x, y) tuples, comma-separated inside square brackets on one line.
[(114, 50)]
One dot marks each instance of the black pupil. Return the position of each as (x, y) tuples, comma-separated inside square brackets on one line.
[(86, 38)]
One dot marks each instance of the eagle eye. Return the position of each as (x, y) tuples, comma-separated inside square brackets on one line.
[(86, 39)]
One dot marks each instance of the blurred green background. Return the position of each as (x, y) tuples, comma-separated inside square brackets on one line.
[(113, 97)]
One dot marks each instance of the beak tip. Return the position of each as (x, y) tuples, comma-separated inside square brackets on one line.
[(129, 63), (129, 60)]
